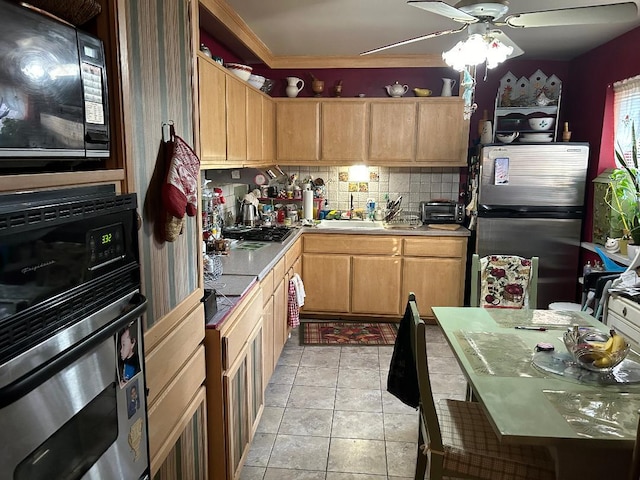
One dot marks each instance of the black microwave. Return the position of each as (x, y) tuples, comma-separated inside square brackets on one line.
[(53, 89)]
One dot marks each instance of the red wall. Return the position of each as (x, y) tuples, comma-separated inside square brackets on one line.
[(592, 74)]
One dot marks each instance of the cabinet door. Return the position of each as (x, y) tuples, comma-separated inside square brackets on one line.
[(213, 130), (297, 130), (437, 282), (254, 126), (392, 134), (279, 319), (376, 285), (344, 132), (256, 385), (238, 428), (327, 282), (236, 120), (269, 361), (268, 130), (443, 134)]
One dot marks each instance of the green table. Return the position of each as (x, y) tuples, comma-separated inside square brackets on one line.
[(589, 427)]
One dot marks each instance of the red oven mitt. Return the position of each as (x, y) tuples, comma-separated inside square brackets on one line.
[(180, 190)]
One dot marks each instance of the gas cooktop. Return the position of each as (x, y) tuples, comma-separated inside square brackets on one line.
[(261, 234)]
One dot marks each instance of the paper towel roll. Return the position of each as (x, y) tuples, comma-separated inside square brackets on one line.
[(307, 204)]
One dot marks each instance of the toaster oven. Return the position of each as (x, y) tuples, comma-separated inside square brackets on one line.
[(441, 212)]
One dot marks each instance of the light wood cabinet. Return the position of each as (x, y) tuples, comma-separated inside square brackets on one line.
[(392, 135), (235, 386), (443, 137), (376, 285), (344, 132), (254, 126), (297, 130), (434, 269), (400, 132), (268, 130), (213, 120), (279, 318), (236, 120), (342, 274), (372, 275), (327, 282)]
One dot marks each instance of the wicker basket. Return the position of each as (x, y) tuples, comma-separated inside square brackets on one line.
[(76, 12)]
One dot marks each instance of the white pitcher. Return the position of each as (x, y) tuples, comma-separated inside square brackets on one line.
[(294, 86), (448, 84)]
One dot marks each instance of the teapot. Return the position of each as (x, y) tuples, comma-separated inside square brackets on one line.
[(396, 90)]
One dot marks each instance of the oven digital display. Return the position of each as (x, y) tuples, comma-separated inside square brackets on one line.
[(106, 244)]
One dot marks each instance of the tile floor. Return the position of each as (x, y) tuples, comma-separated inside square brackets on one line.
[(328, 415)]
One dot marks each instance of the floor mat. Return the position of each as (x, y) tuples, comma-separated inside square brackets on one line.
[(348, 333)]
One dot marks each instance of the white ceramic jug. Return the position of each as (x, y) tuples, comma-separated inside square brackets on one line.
[(448, 84), (294, 86)]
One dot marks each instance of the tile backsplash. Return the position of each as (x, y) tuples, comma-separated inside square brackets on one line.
[(414, 184)]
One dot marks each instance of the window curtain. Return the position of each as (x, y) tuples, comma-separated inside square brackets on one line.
[(626, 107)]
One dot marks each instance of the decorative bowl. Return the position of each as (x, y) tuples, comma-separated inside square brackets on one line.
[(422, 92), (256, 81), (241, 71), (541, 124), (587, 350), (507, 137)]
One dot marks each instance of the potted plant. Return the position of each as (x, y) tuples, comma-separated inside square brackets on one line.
[(623, 194)]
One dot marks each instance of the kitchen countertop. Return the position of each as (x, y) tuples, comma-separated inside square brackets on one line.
[(242, 269)]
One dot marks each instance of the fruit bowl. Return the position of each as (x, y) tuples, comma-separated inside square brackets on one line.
[(596, 351)]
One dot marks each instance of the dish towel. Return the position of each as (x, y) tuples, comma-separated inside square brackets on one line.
[(293, 309), (300, 293)]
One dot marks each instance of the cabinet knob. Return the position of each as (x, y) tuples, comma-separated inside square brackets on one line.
[(624, 311)]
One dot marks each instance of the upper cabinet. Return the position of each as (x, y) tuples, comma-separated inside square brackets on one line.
[(297, 130), (213, 130), (237, 121), (344, 131), (400, 132), (393, 131), (442, 132)]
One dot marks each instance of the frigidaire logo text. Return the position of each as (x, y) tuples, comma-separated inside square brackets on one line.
[(37, 267)]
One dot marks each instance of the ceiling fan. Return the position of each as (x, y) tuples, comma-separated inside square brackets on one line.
[(484, 18)]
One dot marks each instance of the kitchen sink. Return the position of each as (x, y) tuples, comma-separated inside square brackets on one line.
[(350, 224)]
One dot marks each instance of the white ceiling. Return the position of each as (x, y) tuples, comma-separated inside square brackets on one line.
[(349, 27)]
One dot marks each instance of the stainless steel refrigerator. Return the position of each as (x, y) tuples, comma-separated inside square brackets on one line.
[(530, 202)]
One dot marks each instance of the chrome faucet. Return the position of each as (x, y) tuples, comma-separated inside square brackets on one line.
[(351, 208)]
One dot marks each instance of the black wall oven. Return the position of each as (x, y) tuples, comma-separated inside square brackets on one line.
[(72, 385)]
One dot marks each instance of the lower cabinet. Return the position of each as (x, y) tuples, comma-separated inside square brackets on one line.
[(327, 282), (244, 399), (434, 269), (376, 285), (372, 275), (351, 274), (235, 386)]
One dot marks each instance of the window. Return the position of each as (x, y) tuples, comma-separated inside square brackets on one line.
[(626, 110)]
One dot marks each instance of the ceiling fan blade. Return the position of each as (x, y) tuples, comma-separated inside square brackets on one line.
[(500, 35), (617, 12), (441, 8), (416, 39)]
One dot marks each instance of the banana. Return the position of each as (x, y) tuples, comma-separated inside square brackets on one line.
[(599, 345), (602, 362), (618, 342)]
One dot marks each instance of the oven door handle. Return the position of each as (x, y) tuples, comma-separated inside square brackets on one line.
[(36, 377)]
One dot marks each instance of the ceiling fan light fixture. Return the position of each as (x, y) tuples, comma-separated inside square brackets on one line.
[(477, 49)]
